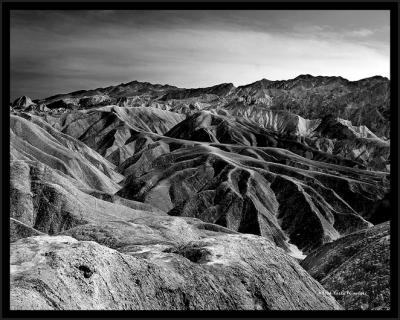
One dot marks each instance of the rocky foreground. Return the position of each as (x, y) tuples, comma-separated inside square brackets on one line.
[(149, 197)]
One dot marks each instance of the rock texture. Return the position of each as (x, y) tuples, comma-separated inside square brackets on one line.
[(212, 274), (56, 272), (44, 199), (19, 230), (110, 130), (355, 268), (364, 102), (252, 189), (36, 140)]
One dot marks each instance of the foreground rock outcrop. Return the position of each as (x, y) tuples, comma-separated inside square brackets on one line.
[(216, 273), (355, 268), (163, 262)]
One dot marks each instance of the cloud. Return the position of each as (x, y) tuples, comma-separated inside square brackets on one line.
[(360, 33), (79, 52)]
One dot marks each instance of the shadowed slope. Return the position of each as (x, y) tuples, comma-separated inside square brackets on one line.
[(38, 141), (326, 140), (363, 102), (162, 262), (253, 190), (358, 263), (108, 130), (49, 202)]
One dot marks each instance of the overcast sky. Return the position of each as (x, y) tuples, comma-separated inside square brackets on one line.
[(62, 51)]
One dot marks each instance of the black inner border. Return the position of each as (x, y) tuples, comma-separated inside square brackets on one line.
[(5, 173)]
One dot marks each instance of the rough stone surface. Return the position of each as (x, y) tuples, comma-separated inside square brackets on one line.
[(212, 274), (34, 140), (47, 201), (19, 230), (355, 268), (109, 130)]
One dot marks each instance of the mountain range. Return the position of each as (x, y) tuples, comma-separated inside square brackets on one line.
[(146, 196)]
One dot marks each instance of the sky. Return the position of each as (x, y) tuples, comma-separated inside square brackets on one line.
[(62, 51)]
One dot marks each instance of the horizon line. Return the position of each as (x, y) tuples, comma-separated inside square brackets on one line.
[(243, 85), (203, 87)]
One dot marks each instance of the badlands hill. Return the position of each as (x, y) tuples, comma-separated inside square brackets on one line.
[(142, 196), (364, 102)]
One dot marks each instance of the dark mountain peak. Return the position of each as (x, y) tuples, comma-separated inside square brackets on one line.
[(221, 90), (211, 88), (225, 85), (22, 102), (257, 84), (319, 79), (22, 98), (376, 78), (304, 76), (144, 84)]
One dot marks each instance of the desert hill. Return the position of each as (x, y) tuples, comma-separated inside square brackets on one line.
[(147, 196)]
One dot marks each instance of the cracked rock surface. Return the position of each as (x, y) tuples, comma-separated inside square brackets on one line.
[(355, 268), (215, 273)]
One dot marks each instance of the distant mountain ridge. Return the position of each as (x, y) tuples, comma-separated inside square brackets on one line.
[(303, 78), (363, 102)]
